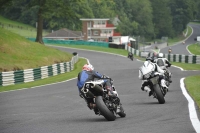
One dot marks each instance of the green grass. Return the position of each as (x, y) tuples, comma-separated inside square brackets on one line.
[(6, 21), (194, 49), (186, 66), (193, 87), (19, 28), (18, 53), (195, 22)]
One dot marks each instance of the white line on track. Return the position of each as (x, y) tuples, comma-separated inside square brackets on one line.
[(192, 110), (39, 86)]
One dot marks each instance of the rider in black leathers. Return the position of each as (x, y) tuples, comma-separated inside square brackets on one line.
[(130, 55)]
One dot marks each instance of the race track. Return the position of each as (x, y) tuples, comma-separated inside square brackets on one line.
[(57, 108)]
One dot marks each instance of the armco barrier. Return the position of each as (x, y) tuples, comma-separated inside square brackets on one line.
[(192, 59), (28, 75)]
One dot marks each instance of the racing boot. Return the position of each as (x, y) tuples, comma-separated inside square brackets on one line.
[(163, 84), (150, 93), (118, 110), (170, 80), (96, 111)]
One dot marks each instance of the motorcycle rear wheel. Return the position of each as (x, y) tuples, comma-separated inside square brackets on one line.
[(159, 94), (109, 115)]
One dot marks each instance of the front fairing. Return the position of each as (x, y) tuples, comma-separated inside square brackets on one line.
[(147, 68)]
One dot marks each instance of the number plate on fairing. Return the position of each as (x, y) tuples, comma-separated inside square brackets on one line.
[(154, 80)]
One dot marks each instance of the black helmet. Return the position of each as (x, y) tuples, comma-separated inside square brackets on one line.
[(149, 58)]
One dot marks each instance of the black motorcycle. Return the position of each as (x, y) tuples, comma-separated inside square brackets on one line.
[(130, 56), (106, 104)]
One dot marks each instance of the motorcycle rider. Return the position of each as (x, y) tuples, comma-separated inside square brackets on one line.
[(88, 74), (163, 63), (170, 50), (130, 55), (148, 61)]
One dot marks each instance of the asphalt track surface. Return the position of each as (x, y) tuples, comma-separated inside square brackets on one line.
[(57, 108)]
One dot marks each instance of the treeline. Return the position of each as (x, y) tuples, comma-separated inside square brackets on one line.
[(149, 18)]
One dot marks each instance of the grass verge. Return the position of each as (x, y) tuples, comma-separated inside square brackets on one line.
[(186, 66), (192, 85), (194, 48), (18, 53), (19, 28)]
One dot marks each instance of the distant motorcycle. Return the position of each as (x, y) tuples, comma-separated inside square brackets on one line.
[(130, 56), (169, 51), (106, 104)]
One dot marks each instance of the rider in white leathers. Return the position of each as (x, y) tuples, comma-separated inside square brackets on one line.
[(156, 69), (163, 63)]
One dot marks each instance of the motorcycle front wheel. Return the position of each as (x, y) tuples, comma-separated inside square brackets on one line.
[(122, 112), (159, 94), (109, 115)]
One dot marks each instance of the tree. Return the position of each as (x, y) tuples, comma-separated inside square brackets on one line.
[(182, 12), (102, 8), (50, 8), (139, 15), (162, 18), (4, 3)]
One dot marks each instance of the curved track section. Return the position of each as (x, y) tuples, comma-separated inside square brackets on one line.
[(57, 108), (179, 48)]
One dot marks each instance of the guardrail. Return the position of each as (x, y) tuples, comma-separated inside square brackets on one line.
[(29, 75), (193, 59)]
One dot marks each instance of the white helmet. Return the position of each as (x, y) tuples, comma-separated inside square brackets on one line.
[(160, 55), (88, 67)]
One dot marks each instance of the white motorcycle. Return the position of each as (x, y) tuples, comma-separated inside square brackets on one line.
[(106, 104), (151, 77)]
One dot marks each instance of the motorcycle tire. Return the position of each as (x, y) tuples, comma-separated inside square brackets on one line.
[(122, 113), (132, 58), (109, 115), (159, 94)]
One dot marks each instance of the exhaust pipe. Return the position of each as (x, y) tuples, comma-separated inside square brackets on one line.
[(88, 93), (98, 88)]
